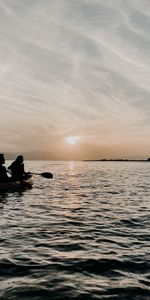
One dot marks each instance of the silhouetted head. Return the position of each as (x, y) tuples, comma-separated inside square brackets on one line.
[(19, 159), (2, 159)]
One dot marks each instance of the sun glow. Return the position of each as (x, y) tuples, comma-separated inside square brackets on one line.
[(72, 140)]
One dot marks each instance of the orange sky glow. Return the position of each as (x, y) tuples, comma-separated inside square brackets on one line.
[(74, 79)]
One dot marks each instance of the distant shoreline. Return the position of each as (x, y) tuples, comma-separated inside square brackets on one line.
[(120, 160)]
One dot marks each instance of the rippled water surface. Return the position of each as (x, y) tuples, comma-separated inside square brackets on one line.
[(82, 235)]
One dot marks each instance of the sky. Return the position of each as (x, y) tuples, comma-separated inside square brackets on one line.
[(75, 68)]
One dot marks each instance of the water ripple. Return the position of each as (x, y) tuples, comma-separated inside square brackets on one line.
[(83, 235)]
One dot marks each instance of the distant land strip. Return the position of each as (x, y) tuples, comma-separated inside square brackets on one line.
[(120, 159)]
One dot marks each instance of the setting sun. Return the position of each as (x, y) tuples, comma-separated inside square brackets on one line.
[(72, 140)]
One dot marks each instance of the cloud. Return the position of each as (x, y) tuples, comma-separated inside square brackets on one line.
[(74, 67)]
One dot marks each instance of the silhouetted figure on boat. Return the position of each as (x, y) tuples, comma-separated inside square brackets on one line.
[(17, 169), (3, 172)]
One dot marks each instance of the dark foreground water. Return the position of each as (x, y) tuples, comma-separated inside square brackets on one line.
[(82, 235)]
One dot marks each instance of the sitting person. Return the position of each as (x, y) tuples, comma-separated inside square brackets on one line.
[(3, 172), (17, 169)]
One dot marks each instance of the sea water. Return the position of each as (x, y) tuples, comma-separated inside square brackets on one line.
[(82, 235)]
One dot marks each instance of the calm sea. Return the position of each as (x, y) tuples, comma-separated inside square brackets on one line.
[(82, 235)]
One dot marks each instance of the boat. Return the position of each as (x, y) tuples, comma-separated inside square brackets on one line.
[(18, 185)]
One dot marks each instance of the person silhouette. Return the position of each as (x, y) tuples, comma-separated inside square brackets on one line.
[(17, 169), (3, 172)]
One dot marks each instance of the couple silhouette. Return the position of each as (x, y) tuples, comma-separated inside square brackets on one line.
[(16, 170)]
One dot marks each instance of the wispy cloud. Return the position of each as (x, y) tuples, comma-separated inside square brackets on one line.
[(74, 68)]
